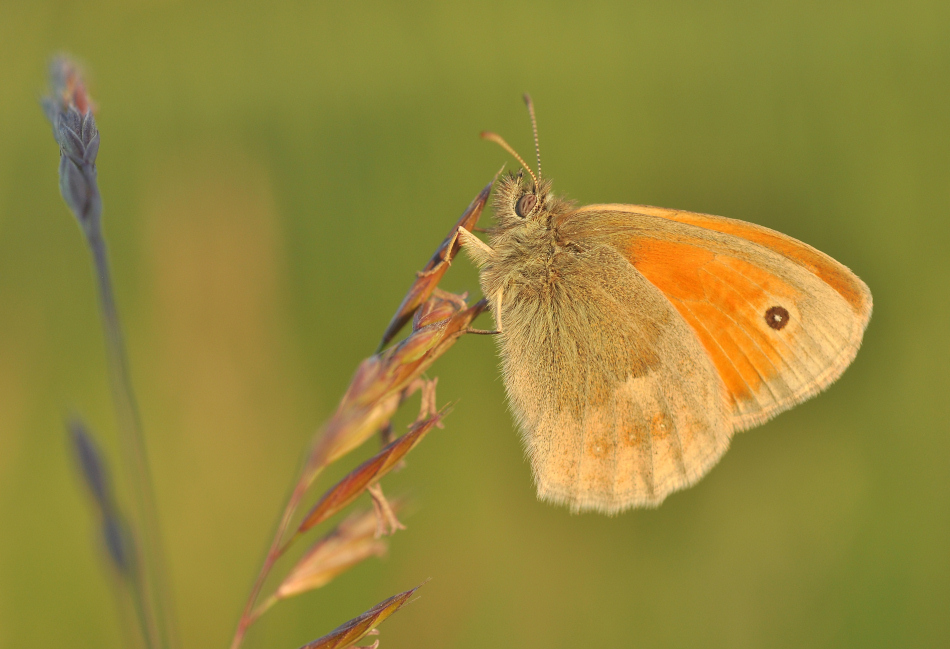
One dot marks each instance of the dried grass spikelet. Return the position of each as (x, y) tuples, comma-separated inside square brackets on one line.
[(349, 633), (431, 274), (351, 542), (365, 475), (374, 393)]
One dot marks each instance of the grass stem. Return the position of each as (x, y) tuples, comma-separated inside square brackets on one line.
[(159, 629)]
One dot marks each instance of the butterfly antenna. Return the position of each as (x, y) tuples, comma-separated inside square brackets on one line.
[(534, 127), (497, 139)]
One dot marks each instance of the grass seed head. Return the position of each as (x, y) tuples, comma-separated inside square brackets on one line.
[(351, 542), (70, 111), (349, 633), (365, 475)]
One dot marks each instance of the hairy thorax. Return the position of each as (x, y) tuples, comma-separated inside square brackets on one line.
[(529, 261)]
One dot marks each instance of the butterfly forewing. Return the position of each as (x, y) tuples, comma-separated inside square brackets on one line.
[(780, 320)]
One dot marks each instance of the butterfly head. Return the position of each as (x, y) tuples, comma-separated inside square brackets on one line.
[(520, 198)]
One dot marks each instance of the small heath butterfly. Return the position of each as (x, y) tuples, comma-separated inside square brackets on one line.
[(636, 340)]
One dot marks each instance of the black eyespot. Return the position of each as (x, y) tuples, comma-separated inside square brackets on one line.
[(525, 204), (776, 317)]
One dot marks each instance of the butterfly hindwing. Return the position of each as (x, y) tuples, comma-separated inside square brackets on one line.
[(616, 400)]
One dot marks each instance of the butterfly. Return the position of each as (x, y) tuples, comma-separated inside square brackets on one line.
[(636, 340)]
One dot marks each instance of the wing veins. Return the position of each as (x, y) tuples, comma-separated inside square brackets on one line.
[(681, 457), (754, 341), (751, 391), (765, 381), (806, 330)]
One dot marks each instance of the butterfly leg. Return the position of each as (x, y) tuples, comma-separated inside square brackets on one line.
[(446, 257), (497, 298), (480, 252)]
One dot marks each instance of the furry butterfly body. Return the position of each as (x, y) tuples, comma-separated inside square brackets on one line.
[(635, 340)]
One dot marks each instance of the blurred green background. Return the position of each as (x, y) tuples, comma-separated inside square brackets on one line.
[(274, 173)]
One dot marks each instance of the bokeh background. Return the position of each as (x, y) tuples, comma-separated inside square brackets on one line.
[(274, 173)]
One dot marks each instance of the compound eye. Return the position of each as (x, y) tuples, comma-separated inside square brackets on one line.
[(525, 204)]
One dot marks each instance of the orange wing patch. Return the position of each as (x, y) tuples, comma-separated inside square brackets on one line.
[(827, 269), (725, 301)]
